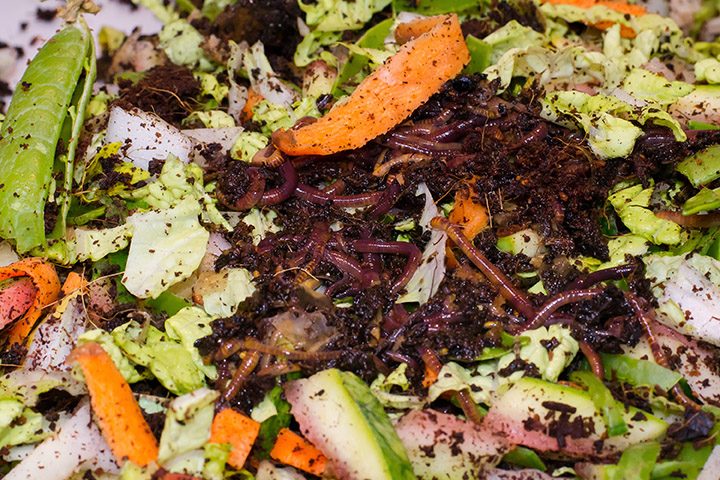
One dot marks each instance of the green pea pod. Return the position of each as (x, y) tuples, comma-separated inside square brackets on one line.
[(50, 99)]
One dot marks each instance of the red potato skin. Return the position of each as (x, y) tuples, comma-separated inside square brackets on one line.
[(388, 95)]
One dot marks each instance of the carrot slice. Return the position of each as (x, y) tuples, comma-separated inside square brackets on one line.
[(430, 377), (231, 427), (387, 96), (470, 215), (292, 449), (253, 99), (46, 281), (74, 281), (118, 413)]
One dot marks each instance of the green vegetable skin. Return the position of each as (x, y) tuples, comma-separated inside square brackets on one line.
[(32, 129), (339, 413)]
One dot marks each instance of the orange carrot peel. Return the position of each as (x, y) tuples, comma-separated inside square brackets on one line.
[(292, 449), (387, 96), (470, 215), (74, 282), (253, 99), (616, 5), (231, 427), (46, 281), (430, 377), (117, 412), (407, 31)]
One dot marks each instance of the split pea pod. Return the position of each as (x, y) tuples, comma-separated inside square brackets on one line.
[(48, 105)]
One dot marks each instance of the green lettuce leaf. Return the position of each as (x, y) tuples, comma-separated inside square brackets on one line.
[(28, 427), (88, 244), (82, 244), (705, 200), (163, 11), (176, 183), (381, 387), (166, 248), (339, 15), (619, 247), (312, 47), (247, 145), (187, 326), (609, 135), (631, 205), (512, 35), (187, 424), (354, 69), (169, 361), (210, 86), (485, 380), (233, 286), (262, 222), (26, 385), (661, 118), (212, 8), (272, 116), (211, 119), (182, 43), (550, 363), (651, 87), (481, 381), (702, 167), (708, 70)]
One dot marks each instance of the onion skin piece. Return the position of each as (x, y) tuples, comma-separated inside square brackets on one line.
[(387, 96)]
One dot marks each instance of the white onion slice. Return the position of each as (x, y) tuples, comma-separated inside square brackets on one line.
[(146, 137), (225, 136)]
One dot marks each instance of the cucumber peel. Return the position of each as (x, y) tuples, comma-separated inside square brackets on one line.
[(339, 414)]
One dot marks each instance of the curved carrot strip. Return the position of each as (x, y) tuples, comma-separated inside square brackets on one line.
[(46, 281), (231, 427), (387, 96), (119, 416), (291, 449), (617, 5), (407, 31)]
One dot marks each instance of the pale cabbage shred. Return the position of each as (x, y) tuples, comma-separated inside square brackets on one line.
[(172, 224)]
